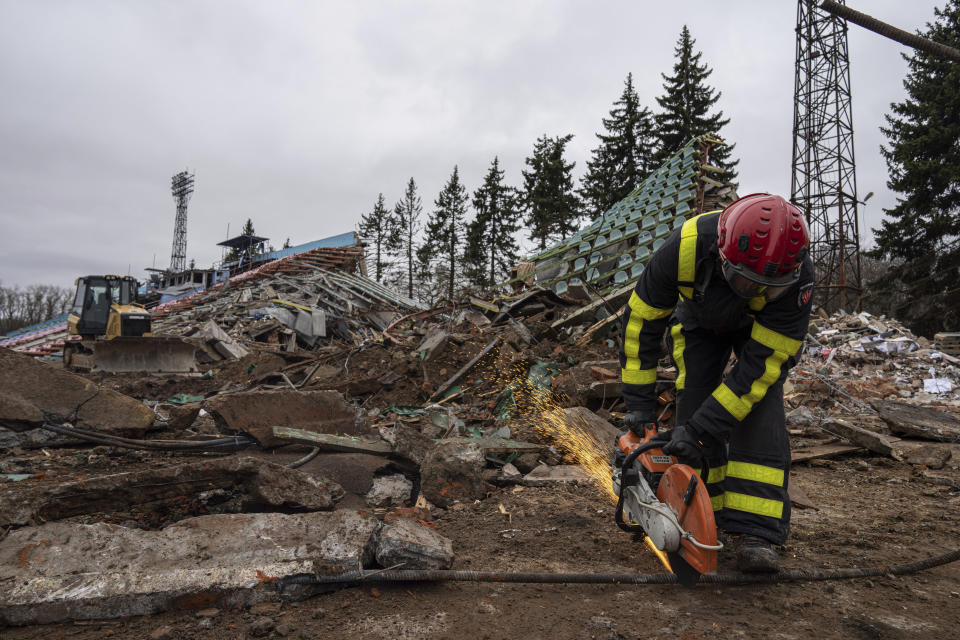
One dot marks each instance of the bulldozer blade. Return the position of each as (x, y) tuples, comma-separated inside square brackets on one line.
[(153, 355)]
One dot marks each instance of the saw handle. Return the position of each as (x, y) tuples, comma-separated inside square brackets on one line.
[(625, 470)]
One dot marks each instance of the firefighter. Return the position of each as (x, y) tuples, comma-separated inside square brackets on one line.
[(738, 280)]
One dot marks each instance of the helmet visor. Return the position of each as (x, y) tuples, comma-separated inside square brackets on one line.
[(749, 284)]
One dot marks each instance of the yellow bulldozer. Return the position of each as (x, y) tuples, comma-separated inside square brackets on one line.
[(114, 332)]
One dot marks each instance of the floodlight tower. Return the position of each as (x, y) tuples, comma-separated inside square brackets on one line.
[(182, 187), (824, 182)]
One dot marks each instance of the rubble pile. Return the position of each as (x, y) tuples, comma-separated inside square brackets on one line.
[(872, 357)]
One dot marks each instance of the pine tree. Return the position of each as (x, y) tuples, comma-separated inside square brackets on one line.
[(407, 215), (923, 160), (553, 209), (686, 104), (248, 228), (444, 233), (491, 248), (380, 231), (625, 155)]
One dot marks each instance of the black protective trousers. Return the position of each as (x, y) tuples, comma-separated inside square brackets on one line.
[(749, 475)]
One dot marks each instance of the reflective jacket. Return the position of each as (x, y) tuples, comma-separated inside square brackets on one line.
[(683, 279)]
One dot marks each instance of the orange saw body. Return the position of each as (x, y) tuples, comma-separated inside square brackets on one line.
[(668, 502)]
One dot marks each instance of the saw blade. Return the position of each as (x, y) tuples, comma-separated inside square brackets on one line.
[(687, 575)]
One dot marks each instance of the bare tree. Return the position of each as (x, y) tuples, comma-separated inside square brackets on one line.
[(35, 304)]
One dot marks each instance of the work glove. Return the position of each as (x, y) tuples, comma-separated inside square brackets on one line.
[(688, 445), (638, 421)]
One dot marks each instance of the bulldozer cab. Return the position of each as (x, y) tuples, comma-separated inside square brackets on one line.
[(94, 298)]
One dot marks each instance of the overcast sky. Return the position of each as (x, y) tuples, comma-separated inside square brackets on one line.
[(297, 114)]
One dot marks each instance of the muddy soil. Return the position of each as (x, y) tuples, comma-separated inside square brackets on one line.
[(872, 512)]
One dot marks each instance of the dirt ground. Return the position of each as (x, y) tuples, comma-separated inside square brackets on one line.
[(872, 511)]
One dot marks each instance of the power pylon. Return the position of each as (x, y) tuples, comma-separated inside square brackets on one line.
[(824, 182)]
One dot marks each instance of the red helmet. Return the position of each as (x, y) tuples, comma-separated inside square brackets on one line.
[(763, 240)]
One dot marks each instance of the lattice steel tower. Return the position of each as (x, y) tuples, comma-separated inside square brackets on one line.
[(182, 187), (824, 182)]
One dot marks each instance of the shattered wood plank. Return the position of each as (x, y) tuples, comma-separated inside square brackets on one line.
[(588, 335), (333, 442), (464, 370), (822, 451), (918, 422), (483, 304), (614, 300), (876, 442), (382, 447)]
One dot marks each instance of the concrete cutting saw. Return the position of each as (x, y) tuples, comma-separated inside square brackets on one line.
[(668, 502)]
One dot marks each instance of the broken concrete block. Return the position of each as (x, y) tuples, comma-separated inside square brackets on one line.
[(62, 571), (257, 412), (231, 350), (527, 462), (926, 454), (453, 472), (509, 473), (433, 344), (408, 543), (545, 475), (918, 422), (221, 341), (181, 416), (407, 441), (32, 392), (802, 417), (310, 325), (234, 483), (390, 491), (588, 422)]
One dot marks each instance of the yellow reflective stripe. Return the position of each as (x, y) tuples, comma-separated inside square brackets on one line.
[(679, 344), (717, 502), (771, 372), (757, 303), (639, 311), (730, 401), (752, 504), (783, 347), (717, 474), (755, 472), (638, 376), (687, 258), (773, 340), (645, 310)]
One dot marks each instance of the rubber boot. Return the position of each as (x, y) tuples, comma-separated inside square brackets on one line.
[(756, 555)]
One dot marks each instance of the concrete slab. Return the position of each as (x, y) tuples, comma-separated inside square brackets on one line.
[(257, 412), (408, 543), (32, 391), (237, 483), (60, 572)]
